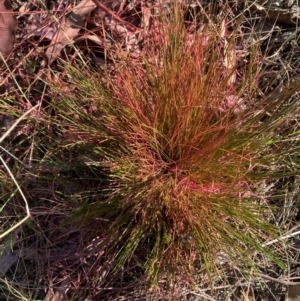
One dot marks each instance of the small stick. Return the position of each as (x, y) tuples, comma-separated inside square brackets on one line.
[(281, 238), (115, 16), (281, 281)]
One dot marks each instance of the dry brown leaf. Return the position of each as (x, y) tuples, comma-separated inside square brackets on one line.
[(8, 25), (70, 29)]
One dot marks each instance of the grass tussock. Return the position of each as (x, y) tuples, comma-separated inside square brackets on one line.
[(184, 144)]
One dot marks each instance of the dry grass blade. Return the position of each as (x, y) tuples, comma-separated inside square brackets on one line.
[(12, 176)]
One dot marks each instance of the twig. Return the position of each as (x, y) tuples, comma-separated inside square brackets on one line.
[(281, 281), (281, 238), (115, 16)]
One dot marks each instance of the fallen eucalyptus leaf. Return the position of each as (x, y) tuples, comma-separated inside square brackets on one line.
[(8, 25), (70, 29)]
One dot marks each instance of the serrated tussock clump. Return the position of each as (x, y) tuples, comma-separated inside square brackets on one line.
[(184, 142)]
